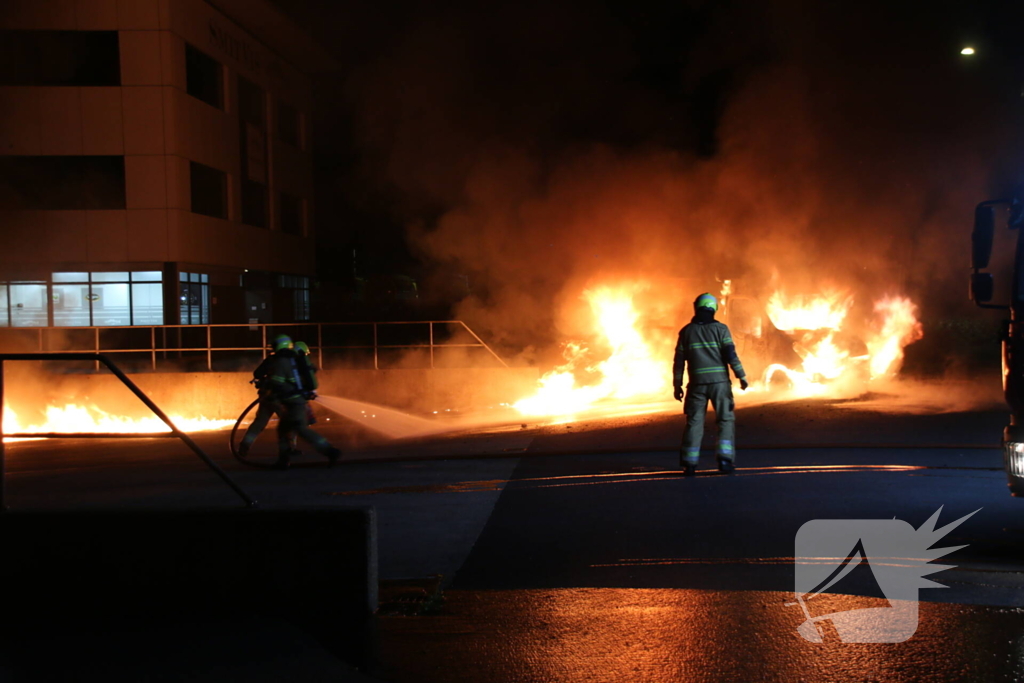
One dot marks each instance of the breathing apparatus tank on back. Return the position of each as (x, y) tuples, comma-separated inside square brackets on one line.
[(306, 371)]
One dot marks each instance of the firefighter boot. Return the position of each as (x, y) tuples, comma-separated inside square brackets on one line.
[(283, 461), (688, 456), (725, 466), (689, 470), (332, 455)]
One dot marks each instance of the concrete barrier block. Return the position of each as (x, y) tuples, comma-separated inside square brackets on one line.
[(313, 567)]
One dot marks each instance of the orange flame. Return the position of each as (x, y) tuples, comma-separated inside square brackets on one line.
[(631, 371), (78, 419), (822, 363), (723, 294), (832, 360), (825, 312), (898, 329), (823, 360)]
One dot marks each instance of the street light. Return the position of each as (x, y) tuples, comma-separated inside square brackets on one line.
[(967, 51)]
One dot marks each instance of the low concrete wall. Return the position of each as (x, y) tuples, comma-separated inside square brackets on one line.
[(223, 395), (315, 568)]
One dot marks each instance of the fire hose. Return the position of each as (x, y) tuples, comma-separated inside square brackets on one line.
[(231, 440)]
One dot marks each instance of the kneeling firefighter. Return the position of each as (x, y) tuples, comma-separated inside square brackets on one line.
[(281, 391), (704, 349)]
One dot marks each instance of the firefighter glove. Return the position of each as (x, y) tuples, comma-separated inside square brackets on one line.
[(744, 383), (677, 392)]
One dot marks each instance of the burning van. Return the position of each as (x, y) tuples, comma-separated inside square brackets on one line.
[(759, 343)]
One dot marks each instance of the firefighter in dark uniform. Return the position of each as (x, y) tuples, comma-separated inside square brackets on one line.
[(307, 376), (267, 405), (281, 391), (307, 371), (704, 349)]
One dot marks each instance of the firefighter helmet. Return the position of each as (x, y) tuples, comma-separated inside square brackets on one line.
[(301, 347), (282, 341), (706, 300)]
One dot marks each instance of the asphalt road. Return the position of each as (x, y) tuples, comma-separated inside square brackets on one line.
[(577, 552)]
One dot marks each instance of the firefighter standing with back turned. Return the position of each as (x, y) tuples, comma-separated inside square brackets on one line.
[(706, 345)]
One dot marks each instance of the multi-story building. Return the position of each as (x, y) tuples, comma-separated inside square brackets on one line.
[(155, 163)]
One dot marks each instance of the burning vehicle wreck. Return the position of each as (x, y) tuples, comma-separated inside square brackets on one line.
[(793, 346)]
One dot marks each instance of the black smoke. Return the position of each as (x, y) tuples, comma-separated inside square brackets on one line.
[(539, 148)]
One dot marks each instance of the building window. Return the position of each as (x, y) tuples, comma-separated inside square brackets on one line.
[(300, 294), (107, 299), (23, 304), (301, 297), (209, 190), (147, 303), (71, 299), (253, 147), (289, 125), (195, 298), (251, 103), (254, 204), (204, 77), (291, 214), (81, 58), (61, 183)]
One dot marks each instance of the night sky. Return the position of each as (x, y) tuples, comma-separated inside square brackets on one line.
[(537, 147)]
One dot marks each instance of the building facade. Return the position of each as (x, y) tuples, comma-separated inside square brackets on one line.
[(155, 163)]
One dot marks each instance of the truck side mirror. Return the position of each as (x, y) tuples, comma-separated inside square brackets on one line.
[(981, 238), (982, 287)]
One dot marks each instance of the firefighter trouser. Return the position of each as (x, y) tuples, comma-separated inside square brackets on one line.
[(695, 406), (294, 421), (267, 407)]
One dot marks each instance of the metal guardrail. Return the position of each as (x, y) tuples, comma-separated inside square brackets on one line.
[(100, 358), (159, 333)]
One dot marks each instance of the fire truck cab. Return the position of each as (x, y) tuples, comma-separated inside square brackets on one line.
[(982, 293)]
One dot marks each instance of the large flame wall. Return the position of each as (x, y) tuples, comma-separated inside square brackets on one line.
[(222, 396)]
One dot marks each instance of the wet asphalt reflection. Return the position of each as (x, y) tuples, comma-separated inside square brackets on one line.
[(637, 477), (614, 567), (662, 635), (588, 557)]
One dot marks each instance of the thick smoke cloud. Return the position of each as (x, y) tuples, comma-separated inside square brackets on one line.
[(541, 150)]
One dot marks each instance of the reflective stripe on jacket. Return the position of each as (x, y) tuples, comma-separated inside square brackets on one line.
[(708, 348), (282, 376)]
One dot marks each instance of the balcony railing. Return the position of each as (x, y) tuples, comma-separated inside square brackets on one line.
[(377, 345)]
